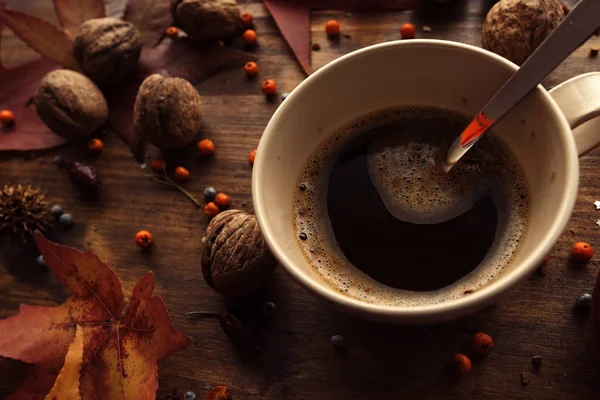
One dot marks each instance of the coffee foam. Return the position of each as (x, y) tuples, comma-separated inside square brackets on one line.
[(503, 178), (404, 167)]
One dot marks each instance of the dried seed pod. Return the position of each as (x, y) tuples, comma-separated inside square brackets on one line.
[(235, 258), (515, 28), (107, 49), (207, 19), (84, 176), (167, 112), (70, 104)]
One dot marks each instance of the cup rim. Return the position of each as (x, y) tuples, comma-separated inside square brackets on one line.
[(461, 306)]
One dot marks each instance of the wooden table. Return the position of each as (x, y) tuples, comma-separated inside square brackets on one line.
[(297, 360)]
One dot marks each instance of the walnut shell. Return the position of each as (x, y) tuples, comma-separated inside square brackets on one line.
[(235, 258), (167, 112), (107, 49), (515, 28), (207, 19), (70, 104)]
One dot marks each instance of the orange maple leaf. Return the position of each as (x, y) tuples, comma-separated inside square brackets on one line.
[(120, 352)]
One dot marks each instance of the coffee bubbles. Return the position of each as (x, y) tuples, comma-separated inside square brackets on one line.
[(404, 167), (402, 148)]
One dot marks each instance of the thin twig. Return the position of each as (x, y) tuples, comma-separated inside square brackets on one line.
[(182, 190), (167, 181), (201, 314)]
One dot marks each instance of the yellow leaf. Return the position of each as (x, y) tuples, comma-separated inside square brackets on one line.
[(66, 385)]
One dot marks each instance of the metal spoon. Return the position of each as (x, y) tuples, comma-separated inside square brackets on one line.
[(575, 29)]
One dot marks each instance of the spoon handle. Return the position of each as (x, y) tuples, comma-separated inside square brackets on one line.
[(575, 29)]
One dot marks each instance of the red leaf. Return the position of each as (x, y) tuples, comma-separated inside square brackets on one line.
[(17, 86), (72, 13), (151, 17), (119, 354), (37, 384), (181, 58), (293, 19), (42, 36)]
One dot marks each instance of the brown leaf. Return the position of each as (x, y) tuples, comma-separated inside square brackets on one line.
[(45, 38), (151, 17), (119, 354), (66, 385), (293, 19), (182, 58), (72, 13)]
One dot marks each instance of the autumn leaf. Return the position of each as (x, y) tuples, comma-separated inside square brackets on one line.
[(66, 385), (151, 17), (45, 38), (37, 384), (293, 19), (72, 13), (120, 352)]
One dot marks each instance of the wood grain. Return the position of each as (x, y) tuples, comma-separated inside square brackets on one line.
[(297, 360)]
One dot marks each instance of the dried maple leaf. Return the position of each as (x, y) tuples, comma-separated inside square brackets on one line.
[(120, 352), (66, 385), (293, 19), (72, 13), (151, 17)]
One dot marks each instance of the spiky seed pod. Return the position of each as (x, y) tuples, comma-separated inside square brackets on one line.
[(23, 210)]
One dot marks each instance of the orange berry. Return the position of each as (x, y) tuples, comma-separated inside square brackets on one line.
[(222, 200), (251, 68), (95, 145), (582, 252), (407, 31), (157, 166), (332, 27), (252, 156), (181, 174), (269, 87), (206, 147), (247, 19), (7, 117), (143, 239), (249, 36), (461, 364), (482, 343), (211, 209), (172, 31)]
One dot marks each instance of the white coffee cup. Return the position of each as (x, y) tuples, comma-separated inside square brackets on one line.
[(547, 133)]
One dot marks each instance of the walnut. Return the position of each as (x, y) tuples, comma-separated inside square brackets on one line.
[(167, 112), (207, 19), (235, 258), (515, 28), (70, 104), (107, 49)]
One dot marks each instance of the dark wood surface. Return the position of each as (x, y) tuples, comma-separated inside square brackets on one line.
[(297, 360)]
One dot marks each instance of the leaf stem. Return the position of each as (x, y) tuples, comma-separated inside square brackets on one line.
[(168, 181)]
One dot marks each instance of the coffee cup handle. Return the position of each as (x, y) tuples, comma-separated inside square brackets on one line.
[(579, 100)]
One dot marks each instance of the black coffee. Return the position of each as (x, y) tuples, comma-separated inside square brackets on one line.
[(391, 160)]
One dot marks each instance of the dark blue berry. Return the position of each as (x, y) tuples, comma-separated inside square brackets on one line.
[(338, 341), (268, 308), (56, 210), (584, 302), (209, 194), (66, 219), (189, 396)]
